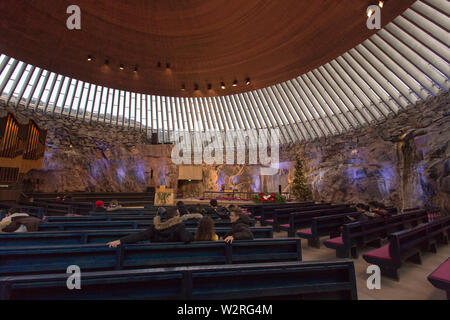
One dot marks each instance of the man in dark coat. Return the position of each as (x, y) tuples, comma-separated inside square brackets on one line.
[(240, 229), (171, 230), (212, 210)]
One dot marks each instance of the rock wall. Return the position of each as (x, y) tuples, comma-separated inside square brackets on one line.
[(402, 161)]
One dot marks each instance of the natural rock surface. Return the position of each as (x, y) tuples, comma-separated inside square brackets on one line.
[(402, 161)]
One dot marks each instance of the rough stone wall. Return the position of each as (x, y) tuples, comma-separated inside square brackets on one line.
[(403, 161)]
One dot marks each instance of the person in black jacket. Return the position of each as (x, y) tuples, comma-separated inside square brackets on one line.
[(240, 229), (211, 210), (171, 230), (181, 208)]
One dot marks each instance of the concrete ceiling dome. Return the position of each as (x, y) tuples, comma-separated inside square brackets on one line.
[(315, 68)]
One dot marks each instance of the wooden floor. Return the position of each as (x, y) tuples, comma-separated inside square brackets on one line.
[(413, 284)]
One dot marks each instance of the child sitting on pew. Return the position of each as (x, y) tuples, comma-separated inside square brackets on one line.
[(170, 230), (240, 229), (206, 231)]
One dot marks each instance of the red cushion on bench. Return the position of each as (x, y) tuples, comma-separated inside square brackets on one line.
[(284, 225), (380, 253), (442, 272), (269, 220), (306, 231), (337, 240)]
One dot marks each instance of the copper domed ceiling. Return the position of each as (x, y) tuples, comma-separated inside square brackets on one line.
[(201, 41)]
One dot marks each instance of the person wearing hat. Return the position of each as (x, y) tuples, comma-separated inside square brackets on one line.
[(99, 206)]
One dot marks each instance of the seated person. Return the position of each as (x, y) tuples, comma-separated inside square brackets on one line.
[(224, 213), (114, 206), (99, 206), (364, 213), (205, 230), (211, 210), (182, 208), (378, 209), (240, 229), (17, 221), (161, 212), (67, 198), (171, 230)]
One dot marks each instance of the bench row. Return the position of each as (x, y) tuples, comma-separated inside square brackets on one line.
[(357, 235), (408, 245), (90, 257), (109, 225), (288, 280), (94, 236)]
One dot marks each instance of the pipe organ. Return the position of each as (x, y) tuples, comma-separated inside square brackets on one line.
[(22, 148)]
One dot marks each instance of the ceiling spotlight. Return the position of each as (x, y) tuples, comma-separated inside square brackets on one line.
[(222, 85), (121, 67), (381, 4), (195, 87), (247, 81), (136, 69), (183, 87), (90, 58), (235, 83), (209, 86)]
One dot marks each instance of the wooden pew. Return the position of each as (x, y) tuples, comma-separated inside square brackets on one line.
[(408, 245), (110, 225), (288, 280), (298, 220), (89, 257), (360, 234), (102, 218), (125, 211), (440, 278), (327, 225), (283, 216), (264, 212), (96, 236)]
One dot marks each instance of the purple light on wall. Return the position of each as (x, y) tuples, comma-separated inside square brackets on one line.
[(140, 171), (95, 169), (121, 173), (256, 185), (162, 177), (386, 179), (220, 180)]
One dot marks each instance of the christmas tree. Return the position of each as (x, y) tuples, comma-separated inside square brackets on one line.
[(300, 189)]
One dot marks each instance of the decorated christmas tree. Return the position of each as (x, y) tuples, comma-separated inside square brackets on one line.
[(300, 189)]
